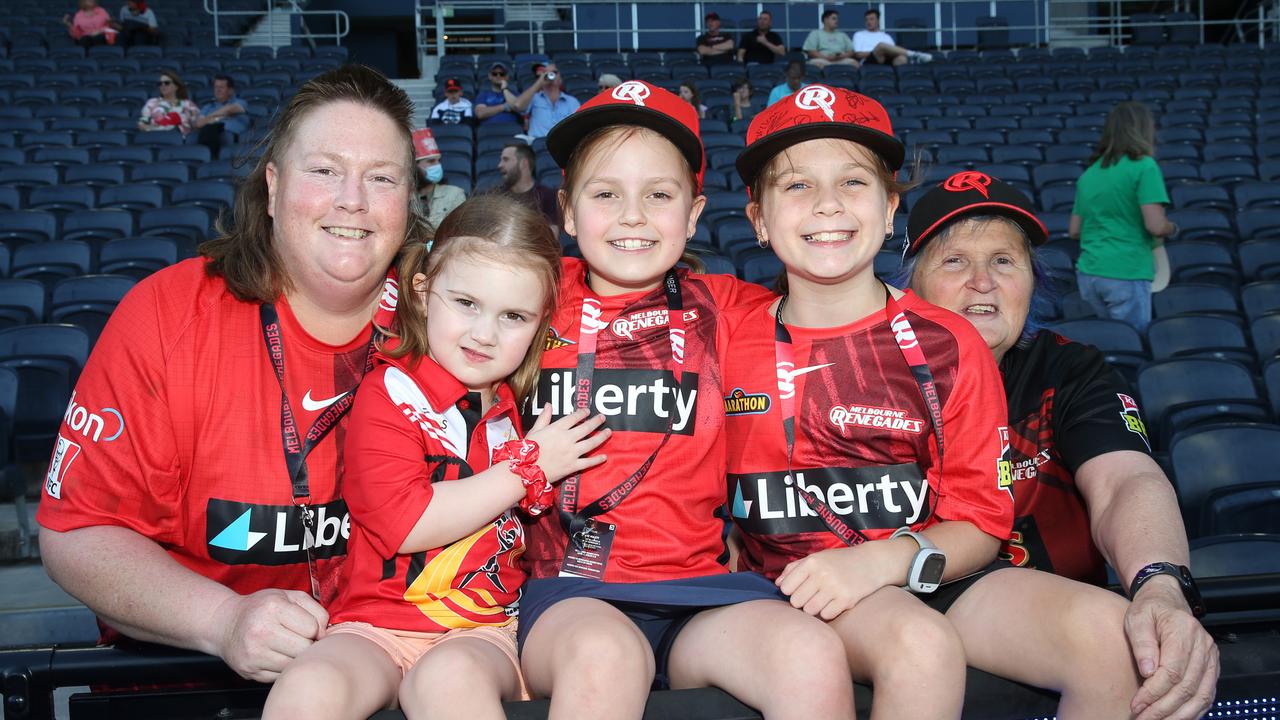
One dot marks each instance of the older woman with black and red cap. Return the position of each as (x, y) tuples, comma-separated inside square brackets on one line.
[(867, 461), (1084, 484)]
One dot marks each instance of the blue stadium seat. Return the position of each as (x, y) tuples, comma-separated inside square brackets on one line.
[(1202, 261), (1199, 336), (51, 261), (10, 198), (61, 197), (1232, 555), (1197, 299), (1228, 171), (762, 268), (1266, 336), (184, 153), (22, 302), (161, 173), (180, 223), (129, 155), (1202, 225), (48, 360), (1260, 298), (97, 225), (1259, 223), (27, 176), (95, 174), (214, 195), (25, 226), (137, 257), (88, 300), (1201, 197), (158, 138), (1260, 259), (133, 196), (1220, 460), (1180, 393), (1253, 195)]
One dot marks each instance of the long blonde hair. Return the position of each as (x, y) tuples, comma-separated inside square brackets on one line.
[(494, 226)]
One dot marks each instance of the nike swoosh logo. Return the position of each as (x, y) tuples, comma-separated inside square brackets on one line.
[(793, 374), (314, 405)]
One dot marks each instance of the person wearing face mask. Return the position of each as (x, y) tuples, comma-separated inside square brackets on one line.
[(438, 197)]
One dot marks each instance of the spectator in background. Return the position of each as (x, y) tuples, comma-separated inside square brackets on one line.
[(227, 113), (761, 45), (518, 165), (138, 24), (90, 26), (876, 46), (438, 197), (550, 103), (827, 45), (608, 81), (498, 103), (689, 94), (744, 108), (172, 109), (1119, 218), (454, 108), (793, 82), (713, 46)]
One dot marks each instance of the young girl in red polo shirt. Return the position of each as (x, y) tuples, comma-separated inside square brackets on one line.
[(435, 468)]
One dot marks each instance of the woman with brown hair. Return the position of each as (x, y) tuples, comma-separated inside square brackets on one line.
[(212, 518), (171, 109), (1119, 218)]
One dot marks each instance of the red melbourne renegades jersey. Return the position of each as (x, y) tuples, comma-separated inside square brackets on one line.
[(413, 427), (1066, 407), (174, 432), (666, 528), (864, 443)]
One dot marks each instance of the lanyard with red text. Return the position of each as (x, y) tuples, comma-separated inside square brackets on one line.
[(909, 344), (296, 446), (572, 516)]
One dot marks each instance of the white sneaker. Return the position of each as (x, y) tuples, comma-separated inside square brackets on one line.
[(919, 57)]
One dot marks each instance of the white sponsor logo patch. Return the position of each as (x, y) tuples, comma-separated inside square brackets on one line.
[(64, 453)]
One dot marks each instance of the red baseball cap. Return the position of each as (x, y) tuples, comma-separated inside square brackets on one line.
[(424, 144), (634, 102), (452, 84), (970, 192), (818, 111)]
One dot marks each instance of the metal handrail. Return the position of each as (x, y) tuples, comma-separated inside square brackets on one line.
[(1116, 29), (341, 20)]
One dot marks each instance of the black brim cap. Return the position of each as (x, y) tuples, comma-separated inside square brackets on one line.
[(634, 102), (965, 194), (815, 112)]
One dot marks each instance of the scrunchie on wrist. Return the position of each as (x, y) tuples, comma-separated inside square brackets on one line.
[(522, 457)]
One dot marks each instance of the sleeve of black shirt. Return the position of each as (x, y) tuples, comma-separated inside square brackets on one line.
[(1090, 407)]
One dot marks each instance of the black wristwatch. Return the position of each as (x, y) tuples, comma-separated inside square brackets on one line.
[(1181, 573)]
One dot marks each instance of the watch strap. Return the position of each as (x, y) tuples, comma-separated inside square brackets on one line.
[(921, 540), (1181, 573)]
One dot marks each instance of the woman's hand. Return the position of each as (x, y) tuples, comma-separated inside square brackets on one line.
[(829, 582), (563, 445)]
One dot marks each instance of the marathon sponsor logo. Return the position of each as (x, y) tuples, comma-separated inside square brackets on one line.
[(870, 416), (246, 534), (92, 425), (555, 341), (627, 327), (740, 402), (865, 498), (1133, 418), (631, 400), (64, 453)]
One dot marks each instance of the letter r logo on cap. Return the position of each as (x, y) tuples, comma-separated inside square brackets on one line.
[(816, 97), (631, 91), (968, 180)]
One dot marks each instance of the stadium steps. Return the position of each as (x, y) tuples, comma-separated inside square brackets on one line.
[(272, 30), (419, 91)]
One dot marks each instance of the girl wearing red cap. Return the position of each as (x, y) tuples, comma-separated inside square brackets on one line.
[(868, 470), (628, 585)]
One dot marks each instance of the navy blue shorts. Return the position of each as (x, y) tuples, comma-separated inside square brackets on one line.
[(659, 609), (946, 595)]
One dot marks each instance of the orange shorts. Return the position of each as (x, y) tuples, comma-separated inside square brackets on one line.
[(406, 648)]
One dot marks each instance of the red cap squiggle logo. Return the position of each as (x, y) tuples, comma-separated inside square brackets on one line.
[(968, 180), (632, 92)]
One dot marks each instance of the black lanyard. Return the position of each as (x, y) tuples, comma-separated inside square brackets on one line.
[(296, 446), (572, 516), (909, 344)]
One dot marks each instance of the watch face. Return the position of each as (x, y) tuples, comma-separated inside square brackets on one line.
[(931, 571)]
